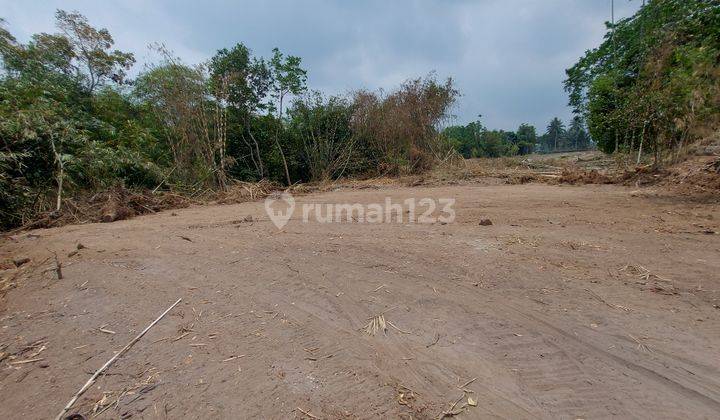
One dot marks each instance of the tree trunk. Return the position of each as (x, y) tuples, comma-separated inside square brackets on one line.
[(642, 139), (656, 153), (277, 143), (617, 144), (282, 154), (61, 174)]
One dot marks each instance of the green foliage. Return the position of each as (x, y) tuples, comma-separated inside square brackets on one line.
[(55, 130), (240, 79), (70, 122), (526, 139), (473, 140), (466, 138), (576, 137), (654, 77), (554, 136), (323, 128), (87, 51)]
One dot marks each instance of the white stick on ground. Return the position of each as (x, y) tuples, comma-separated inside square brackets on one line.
[(107, 364)]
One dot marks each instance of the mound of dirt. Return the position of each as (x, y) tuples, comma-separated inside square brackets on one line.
[(572, 175), (697, 174)]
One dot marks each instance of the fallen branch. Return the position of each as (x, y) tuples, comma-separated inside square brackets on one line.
[(107, 364)]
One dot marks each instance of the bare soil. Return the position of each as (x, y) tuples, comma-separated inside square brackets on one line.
[(583, 301)]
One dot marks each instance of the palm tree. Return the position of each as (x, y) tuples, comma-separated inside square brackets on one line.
[(555, 132)]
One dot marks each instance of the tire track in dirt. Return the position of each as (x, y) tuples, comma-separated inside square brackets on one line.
[(292, 304), (675, 386)]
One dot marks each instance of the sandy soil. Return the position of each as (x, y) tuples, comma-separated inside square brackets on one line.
[(577, 302)]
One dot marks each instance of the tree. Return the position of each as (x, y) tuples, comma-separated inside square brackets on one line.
[(655, 76), (92, 58), (555, 134), (177, 95), (577, 137), (288, 78), (495, 143), (242, 83), (323, 126), (54, 140), (466, 138), (526, 138)]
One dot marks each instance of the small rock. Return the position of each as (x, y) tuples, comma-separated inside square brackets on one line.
[(248, 218), (20, 261), (485, 222), (173, 214), (44, 365), (80, 246), (72, 253)]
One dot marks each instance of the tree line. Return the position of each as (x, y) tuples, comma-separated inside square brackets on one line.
[(653, 85), (72, 121), (474, 140)]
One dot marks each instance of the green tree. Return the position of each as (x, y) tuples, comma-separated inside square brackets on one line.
[(288, 78), (527, 137), (242, 83), (466, 138), (655, 76), (323, 128), (92, 58), (555, 134), (577, 136)]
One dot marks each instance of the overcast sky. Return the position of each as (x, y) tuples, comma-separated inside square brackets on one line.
[(507, 56)]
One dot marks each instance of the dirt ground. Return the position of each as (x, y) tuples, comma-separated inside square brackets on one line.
[(589, 301)]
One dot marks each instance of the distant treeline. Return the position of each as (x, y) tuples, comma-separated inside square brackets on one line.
[(474, 140)]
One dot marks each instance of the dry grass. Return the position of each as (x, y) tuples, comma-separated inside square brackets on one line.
[(376, 323), (239, 192)]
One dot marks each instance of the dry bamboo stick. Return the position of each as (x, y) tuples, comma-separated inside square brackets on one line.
[(107, 364)]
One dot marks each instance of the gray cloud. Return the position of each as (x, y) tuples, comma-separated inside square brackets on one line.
[(507, 57)]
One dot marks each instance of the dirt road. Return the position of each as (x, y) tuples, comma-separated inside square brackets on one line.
[(577, 302)]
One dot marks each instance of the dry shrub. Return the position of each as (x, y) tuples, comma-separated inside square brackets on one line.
[(116, 203), (698, 174), (400, 130)]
